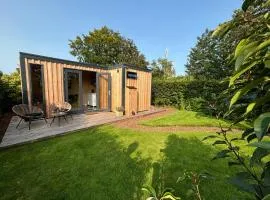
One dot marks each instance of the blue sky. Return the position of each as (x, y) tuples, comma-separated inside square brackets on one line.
[(44, 27)]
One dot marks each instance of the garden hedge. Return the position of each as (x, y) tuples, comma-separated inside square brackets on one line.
[(185, 93)]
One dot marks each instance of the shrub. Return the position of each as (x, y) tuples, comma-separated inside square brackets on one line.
[(196, 95), (161, 101), (10, 91), (196, 104)]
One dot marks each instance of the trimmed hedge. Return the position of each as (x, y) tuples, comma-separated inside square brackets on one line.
[(188, 94)]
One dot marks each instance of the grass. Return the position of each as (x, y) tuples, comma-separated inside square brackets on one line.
[(112, 163), (189, 118)]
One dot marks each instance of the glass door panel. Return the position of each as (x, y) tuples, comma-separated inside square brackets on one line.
[(73, 86)]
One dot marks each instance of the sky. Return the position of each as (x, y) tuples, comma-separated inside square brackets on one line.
[(45, 26)]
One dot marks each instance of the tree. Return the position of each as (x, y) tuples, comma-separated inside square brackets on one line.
[(162, 68), (106, 47), (209, 58)]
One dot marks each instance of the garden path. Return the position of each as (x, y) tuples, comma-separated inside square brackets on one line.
[(134, 123)]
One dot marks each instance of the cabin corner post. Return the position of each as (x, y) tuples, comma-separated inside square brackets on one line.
[(97, 91), (110, 92), (123, 86), (23, 80)]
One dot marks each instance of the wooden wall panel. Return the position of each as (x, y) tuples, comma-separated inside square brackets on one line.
[(143, 85), (54, 84), (116, 88), (131, 101), (131, 88), (27, 74), (103, 91), (53, 80)]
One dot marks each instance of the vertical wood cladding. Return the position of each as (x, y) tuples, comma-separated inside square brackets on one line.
[(142, 86), (137, 91)]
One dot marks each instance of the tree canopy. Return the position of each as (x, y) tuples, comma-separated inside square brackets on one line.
[(209, 58), (162, 68), (106, 47)]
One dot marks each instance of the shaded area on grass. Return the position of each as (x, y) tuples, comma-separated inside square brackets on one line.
[(111, 163), (89, 165), (190, 154)]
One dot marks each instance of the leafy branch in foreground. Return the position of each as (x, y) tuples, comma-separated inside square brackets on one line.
[(251, 81), (167, 194), (256, 175), (195, 179)]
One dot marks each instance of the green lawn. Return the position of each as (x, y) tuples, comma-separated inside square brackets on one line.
[(111, 163), (188, 118)]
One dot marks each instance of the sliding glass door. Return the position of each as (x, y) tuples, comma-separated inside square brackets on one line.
[(73, 88)]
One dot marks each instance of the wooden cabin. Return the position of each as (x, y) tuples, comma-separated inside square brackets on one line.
[(48, 81)]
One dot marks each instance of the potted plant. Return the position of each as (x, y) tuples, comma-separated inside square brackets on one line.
[(120, 111)]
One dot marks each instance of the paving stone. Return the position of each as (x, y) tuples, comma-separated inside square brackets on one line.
[(40, 130)]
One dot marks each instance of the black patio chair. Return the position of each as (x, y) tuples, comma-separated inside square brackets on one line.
[(28, 114)]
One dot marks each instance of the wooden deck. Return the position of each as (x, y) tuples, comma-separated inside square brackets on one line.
[(40, 130)]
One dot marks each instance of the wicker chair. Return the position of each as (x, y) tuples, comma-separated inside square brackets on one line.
[(27, 113), (66, 107), (60, 110)]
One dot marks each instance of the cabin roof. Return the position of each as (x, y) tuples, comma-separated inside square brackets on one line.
[(92, 65)]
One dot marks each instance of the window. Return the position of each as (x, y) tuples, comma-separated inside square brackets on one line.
[(132, 75)]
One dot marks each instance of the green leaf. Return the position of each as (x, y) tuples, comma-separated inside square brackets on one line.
[(150, 190), (222, 154), (208, 137), (222, 29), (257, 102), (261, 125), (240, 47), (266, 4), (263, 45), (251, 137), (254, 47), (262, 144), (258, 155), (247, 88), (241, 71), (241, 181), (169, 196), (246, 4), (266, 176), (247, 132), (267, 197), (231, 163), (267, 63), (219, 142), (266, 15), (234, 139), (151, 198), (167, 190), (244, 51)]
